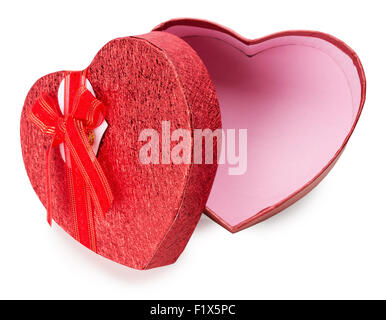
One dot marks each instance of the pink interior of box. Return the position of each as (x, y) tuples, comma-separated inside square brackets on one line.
[(298, 97)]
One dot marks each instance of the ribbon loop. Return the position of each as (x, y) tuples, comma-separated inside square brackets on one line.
[(90, 110), (87, 183)]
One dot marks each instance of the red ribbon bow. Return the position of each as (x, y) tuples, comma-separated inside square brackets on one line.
[(87, 184)]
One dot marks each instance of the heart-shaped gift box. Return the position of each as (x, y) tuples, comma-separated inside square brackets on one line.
[(142, 81), (298, 93)]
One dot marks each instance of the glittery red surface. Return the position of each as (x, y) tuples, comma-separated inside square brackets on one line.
[(143, 80)]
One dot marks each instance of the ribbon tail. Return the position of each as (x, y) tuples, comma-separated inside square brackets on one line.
[(82, 210), (89, 167), (48, 185), (71, 195), (88, 185)]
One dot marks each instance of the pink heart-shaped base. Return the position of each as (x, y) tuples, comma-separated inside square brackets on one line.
[(299, 94)]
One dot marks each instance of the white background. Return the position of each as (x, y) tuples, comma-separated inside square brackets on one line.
[(331, 244)]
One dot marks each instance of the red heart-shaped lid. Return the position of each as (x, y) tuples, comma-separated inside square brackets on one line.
[(299, 94), (143, 81)]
